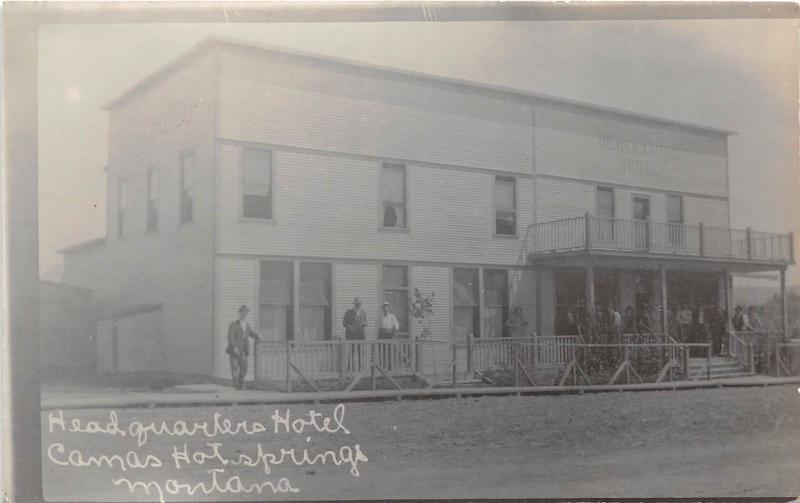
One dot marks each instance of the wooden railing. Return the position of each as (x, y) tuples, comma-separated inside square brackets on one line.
[(447, 362), (620, 234)]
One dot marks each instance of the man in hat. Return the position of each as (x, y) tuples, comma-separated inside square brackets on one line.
[(239, 346), (355, 324)]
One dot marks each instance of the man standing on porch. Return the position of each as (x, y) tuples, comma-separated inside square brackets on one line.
[(239, 346), (355, 325)]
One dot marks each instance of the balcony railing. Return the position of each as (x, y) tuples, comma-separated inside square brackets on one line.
[(591, 232)]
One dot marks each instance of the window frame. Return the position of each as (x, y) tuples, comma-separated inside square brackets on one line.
[(328, 333), (675, 229), (152, 205), (680, 208), (506, 313), (382, 203), (476, 313), (383, 288), (272, 192), (513, 180), (182, 220)]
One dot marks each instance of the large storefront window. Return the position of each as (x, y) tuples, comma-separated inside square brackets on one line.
[(315, 304), (495, 299), (395, 292), (275, 301), (466, 320)]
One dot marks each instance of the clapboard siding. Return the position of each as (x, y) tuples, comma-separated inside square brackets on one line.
[(236, 285), (557, 199), (329, 207), (289, 105), (707, 211), (578, 145)]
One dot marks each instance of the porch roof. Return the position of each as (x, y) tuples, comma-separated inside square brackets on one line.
[(651, 261)]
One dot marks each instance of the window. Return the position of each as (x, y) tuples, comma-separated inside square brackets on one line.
[(395, 292), (466, 316), (122, 207), (152, 200), (256, 183), (505, 204), (605, 210), (187, 187), (275, 315), (495, 299), (675, 219), (675, 209), (393, 194), (315, 304)]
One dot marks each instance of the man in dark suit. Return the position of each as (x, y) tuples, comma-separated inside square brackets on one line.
[(238, 349), (355, 324)]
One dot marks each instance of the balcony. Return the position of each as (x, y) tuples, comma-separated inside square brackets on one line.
[(591, 233)]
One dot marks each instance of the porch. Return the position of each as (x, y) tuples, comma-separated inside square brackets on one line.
[(673, 266)]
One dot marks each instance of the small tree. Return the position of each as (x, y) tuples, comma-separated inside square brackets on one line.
[(421, 309)]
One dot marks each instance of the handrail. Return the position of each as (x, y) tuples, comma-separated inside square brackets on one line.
[(626, 234)]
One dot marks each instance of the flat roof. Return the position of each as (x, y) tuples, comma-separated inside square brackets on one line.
[(389, 72)]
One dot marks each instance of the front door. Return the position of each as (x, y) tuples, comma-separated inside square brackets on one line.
[(641, 213)]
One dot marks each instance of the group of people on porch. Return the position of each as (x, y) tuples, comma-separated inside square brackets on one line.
[(686, 323)]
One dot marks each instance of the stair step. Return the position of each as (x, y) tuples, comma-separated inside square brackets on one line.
[(723, 376)]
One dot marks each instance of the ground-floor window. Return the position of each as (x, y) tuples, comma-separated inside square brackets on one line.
[(315, 303), (276, 316), (495, 299), (275, 319), (466, 319), (394, 279)]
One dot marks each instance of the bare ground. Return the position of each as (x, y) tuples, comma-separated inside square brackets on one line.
[(701, 443)]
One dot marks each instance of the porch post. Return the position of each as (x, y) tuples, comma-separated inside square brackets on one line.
[(590, 293), (728, 292), (538, 297), (663, 270), (784, 314)]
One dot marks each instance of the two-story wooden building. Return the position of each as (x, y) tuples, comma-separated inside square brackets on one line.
[(292, 183)]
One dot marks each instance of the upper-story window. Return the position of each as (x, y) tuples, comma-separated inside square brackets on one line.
[(122, 206), (605, 208), (675, 209), (187, 172), (152, 200), (505, 205), (675, 219), (257, 183), (393, 195)]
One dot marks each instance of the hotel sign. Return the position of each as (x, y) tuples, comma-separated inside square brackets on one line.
[(642, 159)]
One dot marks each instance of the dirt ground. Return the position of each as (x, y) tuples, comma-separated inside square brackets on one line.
[(700, 443)]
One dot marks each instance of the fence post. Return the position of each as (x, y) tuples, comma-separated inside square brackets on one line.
[(749, 246), (417, 354), (702, 238), (454, 365), (514, 363), (469, 352), (708, 361), (340, 354), (288, 367), (372, 363)]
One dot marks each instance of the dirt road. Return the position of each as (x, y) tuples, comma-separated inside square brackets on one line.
[(720, 442)]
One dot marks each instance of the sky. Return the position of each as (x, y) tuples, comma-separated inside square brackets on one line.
[(739, 75)]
